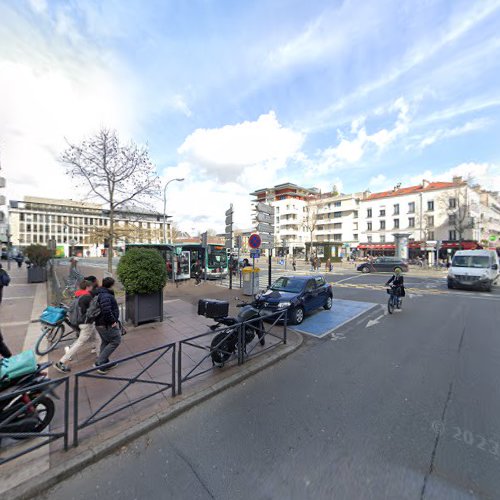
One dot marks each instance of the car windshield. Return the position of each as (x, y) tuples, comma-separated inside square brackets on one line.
[(217, 259), (292, 285), (481, 262)]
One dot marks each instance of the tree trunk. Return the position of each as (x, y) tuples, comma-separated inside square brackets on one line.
[(111, 239)]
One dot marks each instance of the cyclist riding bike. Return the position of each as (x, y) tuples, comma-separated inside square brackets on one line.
[(397, 282)]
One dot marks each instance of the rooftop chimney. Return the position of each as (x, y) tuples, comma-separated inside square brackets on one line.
[(425, 183), (457, 179)]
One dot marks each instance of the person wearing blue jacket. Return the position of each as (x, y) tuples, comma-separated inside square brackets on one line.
[(107, 323)]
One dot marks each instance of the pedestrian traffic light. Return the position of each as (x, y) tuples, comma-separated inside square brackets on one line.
[(204, 239)]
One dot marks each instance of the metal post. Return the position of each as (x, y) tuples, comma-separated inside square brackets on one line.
[(8, 247), (165, 214), (179, 369), (240, 344), (270, 264), (253, 275), (231, 273), (66, 414), (285, 321), (173, 370), (75, 413)]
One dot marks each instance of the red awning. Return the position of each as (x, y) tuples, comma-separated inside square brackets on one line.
[(376, 246), (464, 245)]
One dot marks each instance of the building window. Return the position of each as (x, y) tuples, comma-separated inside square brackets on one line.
[(355, 214), (452, 235), (28, 228), (337, 225), (411, 222), (369, 226), (430, 235), (35, 218), (396, 223), (382, 238), (452, 219), (382, 224), (430, 220), (430, 206), (411, 207), (396, 209), (382, 212), (369, 213), (337, 237), (337, 203), (35, 238), (355, 237), (21, 217), (337, 215), (369, 239), (452, 203)]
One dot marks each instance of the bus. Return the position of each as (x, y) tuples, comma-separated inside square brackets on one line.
[(214, 261)]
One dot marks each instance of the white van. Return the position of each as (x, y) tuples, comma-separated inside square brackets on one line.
[(474, 269)]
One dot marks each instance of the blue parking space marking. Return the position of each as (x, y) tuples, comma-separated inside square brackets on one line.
[(321, 323)]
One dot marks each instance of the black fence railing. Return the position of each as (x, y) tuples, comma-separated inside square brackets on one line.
[(22, 408), (104, 410), (231, 342)]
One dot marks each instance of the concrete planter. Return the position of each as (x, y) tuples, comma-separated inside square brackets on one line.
[(37, 274), (143, 308)]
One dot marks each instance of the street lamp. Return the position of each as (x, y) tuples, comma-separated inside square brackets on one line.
[(165, 208)]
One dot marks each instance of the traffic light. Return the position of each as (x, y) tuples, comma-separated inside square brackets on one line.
[(204, 239)]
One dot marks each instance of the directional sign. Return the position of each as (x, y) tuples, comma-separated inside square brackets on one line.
[(254, 241), (262, 217), (229, 212), (229, 243), (229, 219), (239, 241), (263, 208), (255, 253), (264, 227), (266, 238), (229, 229)]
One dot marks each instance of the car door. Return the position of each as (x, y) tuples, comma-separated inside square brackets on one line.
[(322, 290), (378, 264), (310, 295)]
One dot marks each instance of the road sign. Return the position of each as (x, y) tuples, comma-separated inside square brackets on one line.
[(229, 212), (204, 239), (254, 241), (263, 208), (229, 229), (229, 220), (229, 243), (262, 217), (255, 253), (239, 241), (266, 238), (264, 227)]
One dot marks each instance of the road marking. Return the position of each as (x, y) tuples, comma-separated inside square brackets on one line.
[(347, 279), (375, 321), (19, 298)]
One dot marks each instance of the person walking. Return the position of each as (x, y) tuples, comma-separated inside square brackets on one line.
[(87, 330), (328, 265), (4, 281), (294, 263), (4, 350), (197, 272), (19, 260), (107, 324)]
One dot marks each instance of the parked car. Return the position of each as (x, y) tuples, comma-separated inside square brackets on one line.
[(380, 264), (473, 269), (301, 294)]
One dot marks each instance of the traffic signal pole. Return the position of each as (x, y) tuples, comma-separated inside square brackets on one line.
[(270, 266)]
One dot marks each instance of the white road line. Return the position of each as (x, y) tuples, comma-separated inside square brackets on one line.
[(347, 279)]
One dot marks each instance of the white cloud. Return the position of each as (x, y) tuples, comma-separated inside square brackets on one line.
[(487, 175), (377, 181), (39, 6), (264, 146)]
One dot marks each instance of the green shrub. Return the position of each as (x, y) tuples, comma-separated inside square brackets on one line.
[(38, 255), (142, 270)]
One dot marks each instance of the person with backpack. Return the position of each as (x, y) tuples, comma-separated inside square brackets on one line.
[(107, 323), (78, 318), (4, 281)]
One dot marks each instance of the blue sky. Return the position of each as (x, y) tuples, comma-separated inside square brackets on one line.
[(237, 95)]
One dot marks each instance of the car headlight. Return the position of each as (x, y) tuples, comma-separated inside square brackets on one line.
[(284, 304)]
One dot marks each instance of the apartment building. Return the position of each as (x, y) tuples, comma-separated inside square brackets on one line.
[(290, 203), (79, 228)]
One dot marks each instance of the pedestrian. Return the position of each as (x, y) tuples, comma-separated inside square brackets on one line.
[(4, 281), (87, 330), (294, 263), (107, 324), (197, 272), (316, 263), (4, 350), (246, 263), (328, 265), (19, 260)]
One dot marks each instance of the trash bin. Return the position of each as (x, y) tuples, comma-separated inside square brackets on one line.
[(250, 280)]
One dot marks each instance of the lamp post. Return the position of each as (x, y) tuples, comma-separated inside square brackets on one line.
[(165, 208)]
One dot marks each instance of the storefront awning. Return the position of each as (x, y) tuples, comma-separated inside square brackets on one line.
[(376, 246)]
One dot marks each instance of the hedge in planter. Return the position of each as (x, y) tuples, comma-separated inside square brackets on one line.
[(143, 273), (38, 256)]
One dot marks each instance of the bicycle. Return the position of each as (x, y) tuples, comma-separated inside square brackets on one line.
[(53, 333), (395, 301)]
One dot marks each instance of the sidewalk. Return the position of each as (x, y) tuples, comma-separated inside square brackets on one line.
[(181, 321)]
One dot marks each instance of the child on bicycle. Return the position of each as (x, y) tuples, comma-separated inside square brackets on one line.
[(397, 282)]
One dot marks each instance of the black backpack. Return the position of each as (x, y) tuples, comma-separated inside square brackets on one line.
[(93, 311), (75, 316), (5, 279)]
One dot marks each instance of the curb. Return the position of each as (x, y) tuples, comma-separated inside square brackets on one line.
[(53, 476)]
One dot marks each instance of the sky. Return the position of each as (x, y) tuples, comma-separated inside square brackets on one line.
[(234, 96)]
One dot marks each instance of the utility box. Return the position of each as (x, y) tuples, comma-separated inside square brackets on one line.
[(250, 278)]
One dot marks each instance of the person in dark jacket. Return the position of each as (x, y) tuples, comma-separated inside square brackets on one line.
[(3, 273), (4, 350), (107, 323), (397, 282)]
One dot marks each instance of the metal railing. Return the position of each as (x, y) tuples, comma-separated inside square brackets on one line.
[(236, 335), (43, 390), (100, 413)]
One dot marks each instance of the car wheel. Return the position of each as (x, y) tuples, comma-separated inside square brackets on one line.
[(365, 269), (297, 315), (329, 303)]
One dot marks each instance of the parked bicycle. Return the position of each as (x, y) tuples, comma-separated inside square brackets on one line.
[(395, 301), (54, 321)]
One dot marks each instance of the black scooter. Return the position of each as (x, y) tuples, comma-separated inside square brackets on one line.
[(225, 343), (36, 411)]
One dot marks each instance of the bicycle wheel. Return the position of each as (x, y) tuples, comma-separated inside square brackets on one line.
[(48, 340), (390, 305)]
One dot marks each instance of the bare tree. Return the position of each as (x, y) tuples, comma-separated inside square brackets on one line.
[(115, 174), (309, 223)]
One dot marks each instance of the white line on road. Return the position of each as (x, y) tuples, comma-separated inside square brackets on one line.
[(347, 279)]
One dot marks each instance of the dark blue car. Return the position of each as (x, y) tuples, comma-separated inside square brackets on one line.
[(302, 294)]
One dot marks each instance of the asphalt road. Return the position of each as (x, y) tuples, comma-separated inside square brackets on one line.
[(401, 406)]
